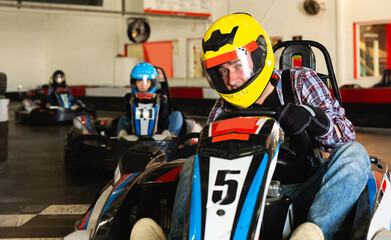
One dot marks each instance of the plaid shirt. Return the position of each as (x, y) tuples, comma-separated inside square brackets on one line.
[(308, 89)]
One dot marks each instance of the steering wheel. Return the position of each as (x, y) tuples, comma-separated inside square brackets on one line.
[(293, 159), (182, 139), (247, 112)]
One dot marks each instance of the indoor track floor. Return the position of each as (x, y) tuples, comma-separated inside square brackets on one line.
[(40, 200)]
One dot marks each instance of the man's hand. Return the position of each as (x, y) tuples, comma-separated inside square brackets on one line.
[(294, 119)]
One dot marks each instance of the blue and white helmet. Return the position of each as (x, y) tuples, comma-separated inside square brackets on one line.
[(142, 72)]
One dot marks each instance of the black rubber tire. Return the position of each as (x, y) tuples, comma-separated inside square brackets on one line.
[(3, 141), (3, 83)]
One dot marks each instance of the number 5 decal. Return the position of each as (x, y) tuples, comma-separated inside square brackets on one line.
[(232, 187)]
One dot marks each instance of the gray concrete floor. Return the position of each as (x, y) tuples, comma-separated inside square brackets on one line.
[(377, 141), (39, 199)]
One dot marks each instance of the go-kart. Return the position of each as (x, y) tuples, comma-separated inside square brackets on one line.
[(240, 163), (93, 144), (34, 111), (235, 188)]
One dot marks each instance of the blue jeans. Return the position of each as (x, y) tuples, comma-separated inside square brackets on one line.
[(175, 122), (124, 123), (343, 178)]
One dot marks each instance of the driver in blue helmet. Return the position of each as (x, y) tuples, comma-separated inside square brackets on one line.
[(145, 78)]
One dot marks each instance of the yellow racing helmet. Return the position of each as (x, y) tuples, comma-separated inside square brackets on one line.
[(236, 46)]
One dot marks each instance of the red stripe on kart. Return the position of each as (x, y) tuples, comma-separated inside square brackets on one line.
[(61, 90), (143, 95), (231, 136), (170, 176), (241, 124), (85, 220), (384, 186), (103, 122), (124, 177), (378, 177)]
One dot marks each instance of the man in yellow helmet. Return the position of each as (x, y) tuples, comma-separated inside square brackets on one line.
[(238, 61), (239, 64)]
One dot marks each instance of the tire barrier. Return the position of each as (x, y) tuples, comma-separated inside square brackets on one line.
[(3, 83), (3, 118)]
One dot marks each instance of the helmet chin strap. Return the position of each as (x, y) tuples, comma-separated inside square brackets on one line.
[(274, 79)]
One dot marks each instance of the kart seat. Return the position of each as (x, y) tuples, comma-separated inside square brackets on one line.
[(156, 201), (166, 88), (152, 196), (385, 81), (300, 54), (297, 56), (144, 200)]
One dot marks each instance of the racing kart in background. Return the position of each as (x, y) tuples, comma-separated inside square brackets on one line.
[(240, 164), (235, 188), (34, 111), (93, 143)]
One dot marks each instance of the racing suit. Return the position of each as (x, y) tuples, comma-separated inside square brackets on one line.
[(53, 100), (173, 121)]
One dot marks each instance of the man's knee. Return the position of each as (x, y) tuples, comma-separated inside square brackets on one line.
[(361, 152), (176, 115), (355, 155)]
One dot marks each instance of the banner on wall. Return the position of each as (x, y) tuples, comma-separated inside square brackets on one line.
[(159, 54), (199, 8), (194, 64)]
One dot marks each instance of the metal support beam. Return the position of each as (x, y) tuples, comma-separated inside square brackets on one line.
[(20, 5)]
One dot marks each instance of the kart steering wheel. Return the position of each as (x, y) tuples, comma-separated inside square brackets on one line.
[(293, 158), (182, 139), (247, 112)]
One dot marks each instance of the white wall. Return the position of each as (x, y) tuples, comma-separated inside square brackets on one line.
[(287, 18), (357, 11), (34, 43), (23, 53), (333, 26), (84, 53)]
